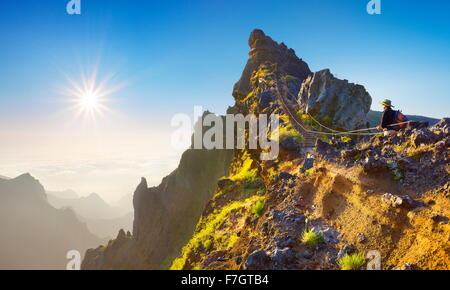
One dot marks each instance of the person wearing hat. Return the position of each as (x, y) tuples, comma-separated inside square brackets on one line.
[(389, 116)]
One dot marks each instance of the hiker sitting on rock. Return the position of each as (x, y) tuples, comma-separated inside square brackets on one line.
[(392, 120)]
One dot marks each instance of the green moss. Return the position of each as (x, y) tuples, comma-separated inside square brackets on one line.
[(261, 190), (258, 208), (352, 262), (246, 172), (207, 245), (232, 240)]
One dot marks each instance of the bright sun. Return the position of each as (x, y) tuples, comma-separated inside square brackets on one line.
[(89, 101), (89, 97)]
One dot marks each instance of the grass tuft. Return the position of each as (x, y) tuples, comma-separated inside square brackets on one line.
[(352, 262), (311, 238)]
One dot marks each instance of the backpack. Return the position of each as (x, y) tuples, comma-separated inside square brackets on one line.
[(400, 118)]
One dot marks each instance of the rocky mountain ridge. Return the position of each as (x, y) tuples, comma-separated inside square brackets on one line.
[(355, 197)]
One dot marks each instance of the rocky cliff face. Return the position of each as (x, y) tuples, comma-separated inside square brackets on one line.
[(33, 234), (165, 216), (337, 102), (387, 193)]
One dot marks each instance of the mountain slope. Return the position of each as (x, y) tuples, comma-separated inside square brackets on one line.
[(387, 194), (33, 234), (164, 216)]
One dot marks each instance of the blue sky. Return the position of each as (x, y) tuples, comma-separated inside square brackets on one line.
[(174, 54)]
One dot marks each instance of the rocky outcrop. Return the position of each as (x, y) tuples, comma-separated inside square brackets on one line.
[(266, 50), (165, 216), (337, 102)]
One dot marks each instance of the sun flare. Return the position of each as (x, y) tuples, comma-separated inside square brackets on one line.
[(89, 101), (90, 97)]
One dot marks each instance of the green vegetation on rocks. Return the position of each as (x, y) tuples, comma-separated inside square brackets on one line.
[(352, 262)]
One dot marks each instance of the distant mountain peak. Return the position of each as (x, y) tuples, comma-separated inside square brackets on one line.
[(94, 196), (24, 186), (25, 176)]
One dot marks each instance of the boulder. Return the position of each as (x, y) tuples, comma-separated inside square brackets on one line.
[(343, 104), (308, 164), (283, 256), (324, 149), (289, 144), (443, 126), (424, 136), (258, 260), (283, 175)]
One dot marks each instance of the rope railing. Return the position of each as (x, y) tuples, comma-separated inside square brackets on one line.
[(333, 132), (301, 125)]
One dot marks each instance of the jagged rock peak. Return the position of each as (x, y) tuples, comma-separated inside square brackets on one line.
[(265, 50), (143, 185), (258, 39), (121, 234)]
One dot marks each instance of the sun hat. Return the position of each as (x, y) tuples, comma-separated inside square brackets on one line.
[(387, 103)]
